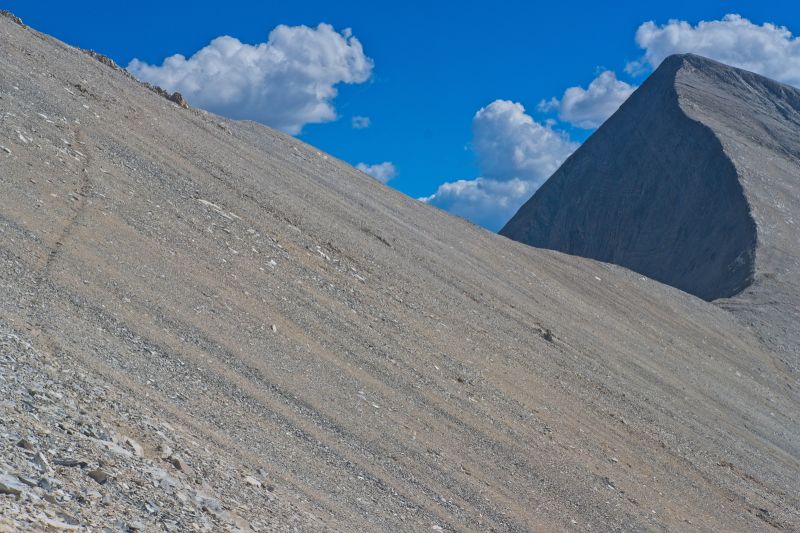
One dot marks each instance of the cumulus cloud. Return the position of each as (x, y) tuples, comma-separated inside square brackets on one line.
[(515, 154), (383, 172), (590, 107), (510, 144), (488, 203), (359, 122), (767, 49), (286, 82)]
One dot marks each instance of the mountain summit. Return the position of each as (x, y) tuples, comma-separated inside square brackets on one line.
[(694, 182)]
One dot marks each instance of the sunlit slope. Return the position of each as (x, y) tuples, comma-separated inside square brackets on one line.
[(389, 366)]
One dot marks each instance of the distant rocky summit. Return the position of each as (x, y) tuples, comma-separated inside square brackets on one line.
[(694, 182)]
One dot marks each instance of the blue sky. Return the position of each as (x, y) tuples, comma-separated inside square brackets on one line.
[(432, 68)]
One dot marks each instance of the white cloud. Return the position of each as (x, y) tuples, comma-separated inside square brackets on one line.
[(488, 203), (383, 172), (767, 49), (515, 154), (510, 144), (590, 107), (359, 122), (548, 105), (286, 82)]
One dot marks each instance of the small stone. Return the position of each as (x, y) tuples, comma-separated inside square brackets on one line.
[(28, 481), (179, 99), (41, 461), (10, 485), (103, 59), (165, 450), (177, 463), (274, 328), (136, 526), (210, 505), (135, 446), (250, 480), (99, 475), (70, 463), (25, 444), (59, 525)]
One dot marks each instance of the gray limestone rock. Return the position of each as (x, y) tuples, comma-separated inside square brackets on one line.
[(694, 182)]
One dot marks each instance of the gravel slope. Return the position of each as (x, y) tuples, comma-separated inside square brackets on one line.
[(299, 346)]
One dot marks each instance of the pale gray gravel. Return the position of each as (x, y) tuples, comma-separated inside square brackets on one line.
[(240, 302)]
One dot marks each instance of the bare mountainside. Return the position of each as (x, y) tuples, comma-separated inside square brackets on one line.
[(695, 182), (207, 324)]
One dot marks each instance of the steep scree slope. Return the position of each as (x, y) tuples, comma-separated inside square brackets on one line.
[(239, 330)]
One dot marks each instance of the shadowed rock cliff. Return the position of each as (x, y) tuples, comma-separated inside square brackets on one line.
[(694, 182)]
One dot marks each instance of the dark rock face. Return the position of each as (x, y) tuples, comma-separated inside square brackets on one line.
[(652, 191), (694, 182), (179, 99), (12, 17)]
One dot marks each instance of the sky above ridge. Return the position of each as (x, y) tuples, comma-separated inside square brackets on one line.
[(469, 106)]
